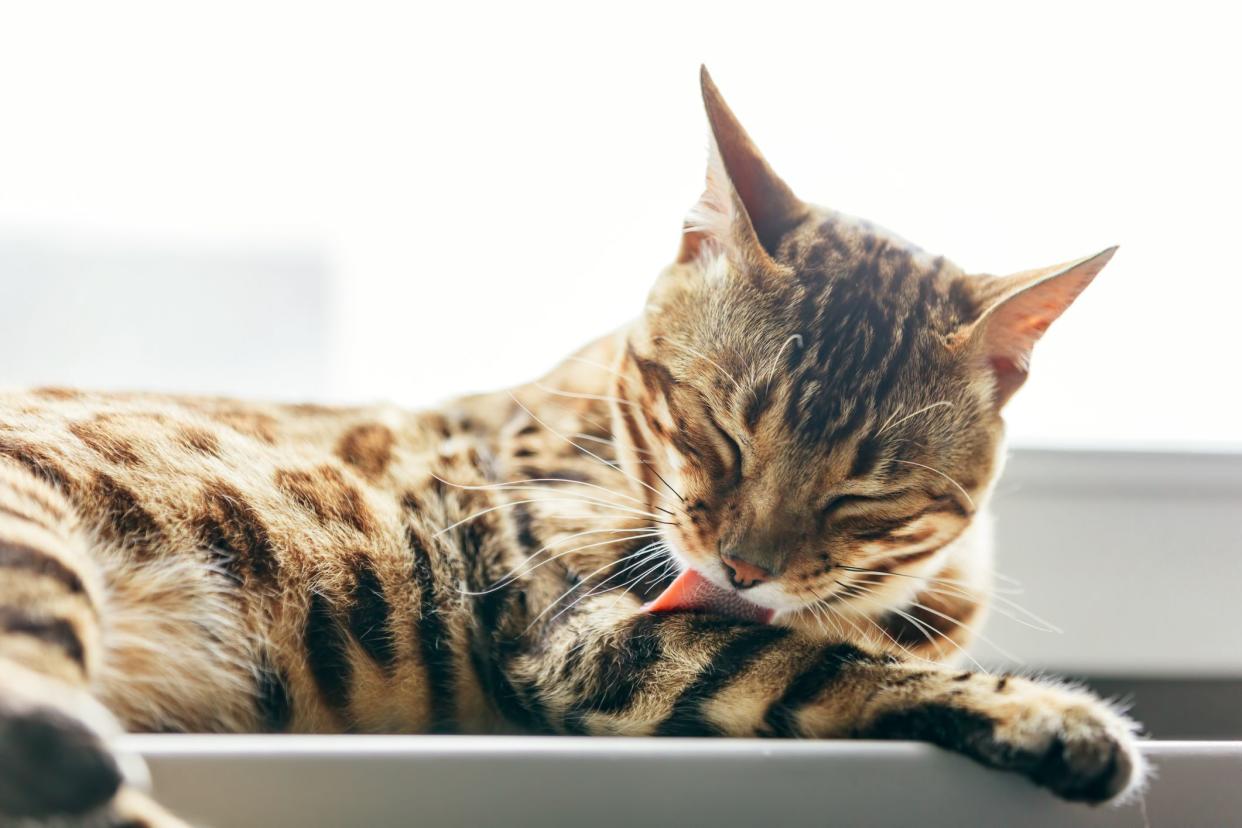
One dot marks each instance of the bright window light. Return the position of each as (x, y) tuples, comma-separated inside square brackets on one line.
[(487, 201)]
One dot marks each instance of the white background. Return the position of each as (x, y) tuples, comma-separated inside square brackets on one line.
[(488, 185)]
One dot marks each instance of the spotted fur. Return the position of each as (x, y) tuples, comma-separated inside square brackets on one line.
[(804, 393)]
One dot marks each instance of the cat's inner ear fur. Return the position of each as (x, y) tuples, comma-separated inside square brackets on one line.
[(746, 207), (1017, 311)]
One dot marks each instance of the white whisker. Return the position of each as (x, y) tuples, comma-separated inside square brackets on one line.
[(1008, 609), (582, 395), (481, 512), (776, 359), (923, 626), (519, 484), (581, 436), (955, 588), (974, 632), (517, 571), (587, 451), (601, 366), (959, 486), (580, 583), (931, 579), (881, 630), (706, 358), (890, 424), (655, 552)]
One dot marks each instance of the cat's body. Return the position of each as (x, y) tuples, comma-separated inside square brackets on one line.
[(207, 565)]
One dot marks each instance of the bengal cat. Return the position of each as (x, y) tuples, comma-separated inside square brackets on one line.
[(759, 510)]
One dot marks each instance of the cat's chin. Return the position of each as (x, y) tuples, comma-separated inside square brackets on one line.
[(692, 592)]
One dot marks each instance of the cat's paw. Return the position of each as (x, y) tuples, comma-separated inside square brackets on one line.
[(52, 765), (1065, 739), (55, 761)]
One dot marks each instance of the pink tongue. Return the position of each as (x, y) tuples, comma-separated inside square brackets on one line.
[(694, 593)]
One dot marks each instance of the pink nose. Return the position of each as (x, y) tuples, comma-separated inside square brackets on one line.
[(743, 574)]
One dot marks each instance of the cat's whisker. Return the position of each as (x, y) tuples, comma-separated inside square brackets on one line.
[(835, 619), (582, 395), (991, 590), (518, 571), (512, 484), (662, 480), (1010, 612), (586, 451), (849, 585), (704, 357), (880, 629), (661, 566), (959, 486), (890, 424), (896, 413), (661, 561), (578, 585), (970, 629), (591, 421), (601, 366), (592, 438), (957, 588), (820, 611), (883, 632), (1009, 609), (512, 503), (923, 627), (820, 618), (660, 555), (626, 587), (833, 613), (776, 360), (517, 485), (515, 575), (597, 589)]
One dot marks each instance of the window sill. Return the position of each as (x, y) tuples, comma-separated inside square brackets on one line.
[(377, 781)]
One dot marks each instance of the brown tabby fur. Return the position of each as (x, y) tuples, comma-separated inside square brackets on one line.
[(804, 392)]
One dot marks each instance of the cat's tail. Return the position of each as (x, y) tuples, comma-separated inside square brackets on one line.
[(54, 759)]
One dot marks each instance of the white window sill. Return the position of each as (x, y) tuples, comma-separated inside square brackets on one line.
[(274, 781)]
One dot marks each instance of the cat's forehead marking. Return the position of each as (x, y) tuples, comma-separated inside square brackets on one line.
[(861, 303), (817, 356)]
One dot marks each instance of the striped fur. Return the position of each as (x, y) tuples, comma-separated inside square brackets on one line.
[(803, 390)]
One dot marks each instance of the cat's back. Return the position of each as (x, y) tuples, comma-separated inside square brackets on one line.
[(151, 470), (65, 433), (270, 539)]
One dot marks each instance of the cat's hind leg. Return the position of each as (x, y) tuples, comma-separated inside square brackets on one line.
[(54, 759)]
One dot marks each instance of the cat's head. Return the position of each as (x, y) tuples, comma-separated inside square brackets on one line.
[(806, 392)]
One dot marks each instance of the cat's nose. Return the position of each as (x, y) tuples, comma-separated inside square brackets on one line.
[(744, 574)]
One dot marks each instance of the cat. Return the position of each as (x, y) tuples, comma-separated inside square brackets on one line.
[(759, 510)]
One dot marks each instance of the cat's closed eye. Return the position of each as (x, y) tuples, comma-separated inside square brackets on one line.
[(835, 505), (735, 448)]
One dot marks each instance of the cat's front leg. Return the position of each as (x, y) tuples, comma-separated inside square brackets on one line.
[(609, 669), (1063, 738)]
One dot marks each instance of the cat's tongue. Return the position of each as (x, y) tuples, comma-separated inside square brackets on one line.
[(694, 593)]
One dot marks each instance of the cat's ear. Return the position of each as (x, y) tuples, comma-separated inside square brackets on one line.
[(746, 205), (1017, 311)]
